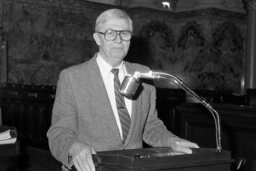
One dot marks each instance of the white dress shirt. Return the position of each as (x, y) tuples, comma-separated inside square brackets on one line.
[(108, 79)]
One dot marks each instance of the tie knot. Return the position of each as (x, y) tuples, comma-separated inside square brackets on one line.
[(115, 71)]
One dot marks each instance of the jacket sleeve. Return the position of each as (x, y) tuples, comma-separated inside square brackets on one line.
[(63, 130), (155, 133)]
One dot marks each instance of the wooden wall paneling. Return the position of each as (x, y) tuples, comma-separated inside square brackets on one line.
[(238, 129)]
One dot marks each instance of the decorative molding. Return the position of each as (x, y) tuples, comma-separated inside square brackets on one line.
[(251, 4)]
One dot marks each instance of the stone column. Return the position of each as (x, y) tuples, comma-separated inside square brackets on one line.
[(4, 61), (1, 24), (3, 49), (250, 60)]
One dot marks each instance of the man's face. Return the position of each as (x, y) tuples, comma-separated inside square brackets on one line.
[(115, 50)]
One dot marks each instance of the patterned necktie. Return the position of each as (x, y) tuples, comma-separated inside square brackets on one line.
[(124, 116)]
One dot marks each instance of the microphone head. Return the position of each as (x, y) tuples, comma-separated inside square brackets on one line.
[(129, 86)]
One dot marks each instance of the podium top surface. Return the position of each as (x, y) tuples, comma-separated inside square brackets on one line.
[(161, 158)]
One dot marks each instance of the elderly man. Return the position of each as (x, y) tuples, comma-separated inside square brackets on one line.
[(90, 114)]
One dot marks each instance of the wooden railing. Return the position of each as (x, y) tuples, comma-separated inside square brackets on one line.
[(28, 108)]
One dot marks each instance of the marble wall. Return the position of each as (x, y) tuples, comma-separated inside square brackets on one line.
[(204, 47)]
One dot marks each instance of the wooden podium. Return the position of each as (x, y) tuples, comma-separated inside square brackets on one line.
[(9, 155), (162, 159)]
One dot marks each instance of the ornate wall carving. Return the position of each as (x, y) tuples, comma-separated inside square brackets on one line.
[(205, 47)]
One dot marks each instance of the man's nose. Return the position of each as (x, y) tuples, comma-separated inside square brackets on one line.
[(118, 38)]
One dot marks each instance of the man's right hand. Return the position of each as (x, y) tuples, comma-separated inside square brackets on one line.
[(82, 157)]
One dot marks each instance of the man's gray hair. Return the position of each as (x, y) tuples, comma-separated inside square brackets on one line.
[(112, 14)]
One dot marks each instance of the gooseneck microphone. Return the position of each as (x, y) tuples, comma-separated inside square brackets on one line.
[(131, 83)]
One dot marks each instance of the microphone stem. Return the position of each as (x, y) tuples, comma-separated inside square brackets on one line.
[(213, 112)]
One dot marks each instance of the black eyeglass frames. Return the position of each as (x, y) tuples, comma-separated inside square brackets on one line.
[(111, 35)]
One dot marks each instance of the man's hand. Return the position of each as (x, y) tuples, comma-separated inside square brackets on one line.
[(182, 145), (82, 157)]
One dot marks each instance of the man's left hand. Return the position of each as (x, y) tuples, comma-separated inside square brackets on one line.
[(182, 145)]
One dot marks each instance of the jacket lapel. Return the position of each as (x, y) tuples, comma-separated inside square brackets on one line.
[(103, 102)]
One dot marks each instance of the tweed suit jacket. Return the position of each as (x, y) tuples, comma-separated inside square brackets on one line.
[(82, 113)]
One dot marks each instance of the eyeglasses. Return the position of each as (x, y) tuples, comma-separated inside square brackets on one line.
[(111, 35)]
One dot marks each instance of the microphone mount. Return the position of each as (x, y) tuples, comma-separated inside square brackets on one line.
[(158, 75)]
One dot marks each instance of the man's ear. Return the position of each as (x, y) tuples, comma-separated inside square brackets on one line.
[(96, 38)]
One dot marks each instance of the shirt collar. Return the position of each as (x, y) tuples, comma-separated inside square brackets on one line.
[(106, 68)]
